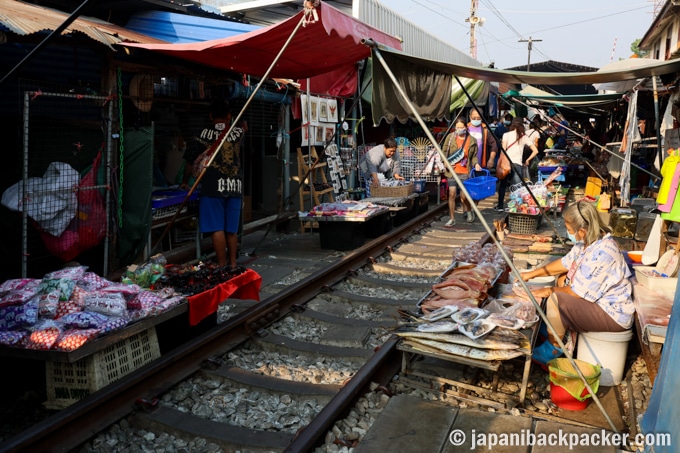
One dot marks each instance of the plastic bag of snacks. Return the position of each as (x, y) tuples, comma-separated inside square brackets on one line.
[(111, 304), (18, 296), (14, 316), (144, 300), (74, 304), (11, 285), (72, 273), (47, 304), (12, 338), (84, 320), (44, 335), (92, 282), (63, 285), (114, 323), (74, 338)]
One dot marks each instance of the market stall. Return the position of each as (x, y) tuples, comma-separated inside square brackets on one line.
[(80, 323), (346, 225), (473, 319)]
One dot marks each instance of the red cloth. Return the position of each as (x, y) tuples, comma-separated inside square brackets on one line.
[(244, 286)]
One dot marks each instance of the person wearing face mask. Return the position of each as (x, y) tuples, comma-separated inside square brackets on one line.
[(504, 126), (461, 152), (486, 144), (593, 292)]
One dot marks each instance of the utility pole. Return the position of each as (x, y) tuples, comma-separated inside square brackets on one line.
[(474, 20), (530, 41)]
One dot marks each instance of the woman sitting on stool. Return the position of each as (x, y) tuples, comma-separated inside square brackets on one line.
[(596, 293)]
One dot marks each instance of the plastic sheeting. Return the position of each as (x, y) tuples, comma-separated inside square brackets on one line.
[(137, 188), (663, 412)]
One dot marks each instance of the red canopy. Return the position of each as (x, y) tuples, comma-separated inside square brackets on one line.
[(331, 43)]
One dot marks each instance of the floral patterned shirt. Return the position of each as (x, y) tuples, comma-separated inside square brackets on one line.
[(599, 274)]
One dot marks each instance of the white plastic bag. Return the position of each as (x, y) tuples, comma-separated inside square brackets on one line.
[(51, 200)]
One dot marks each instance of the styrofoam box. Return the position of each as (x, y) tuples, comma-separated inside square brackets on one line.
[(70, 382), (660, 284)]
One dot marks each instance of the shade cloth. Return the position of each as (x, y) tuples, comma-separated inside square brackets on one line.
[(333, 42), (243, 286)]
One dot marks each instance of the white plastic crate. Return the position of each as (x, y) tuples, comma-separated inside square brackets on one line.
[(70, 382)]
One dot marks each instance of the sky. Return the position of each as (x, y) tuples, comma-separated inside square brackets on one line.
[(581, 32)]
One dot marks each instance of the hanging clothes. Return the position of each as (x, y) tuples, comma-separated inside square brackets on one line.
[(632, 135), (668, 172), (667, 199)]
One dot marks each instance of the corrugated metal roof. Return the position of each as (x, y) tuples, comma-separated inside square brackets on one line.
[(25, 19), (181, 28)]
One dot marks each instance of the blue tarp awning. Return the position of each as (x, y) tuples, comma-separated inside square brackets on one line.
[(181, 28)]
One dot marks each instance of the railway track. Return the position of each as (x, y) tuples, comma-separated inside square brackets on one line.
[(285, 374)]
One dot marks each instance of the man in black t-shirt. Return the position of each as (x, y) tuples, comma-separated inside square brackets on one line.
[(222, 183)]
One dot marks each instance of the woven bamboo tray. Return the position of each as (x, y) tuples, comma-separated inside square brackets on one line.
[(398, 191)]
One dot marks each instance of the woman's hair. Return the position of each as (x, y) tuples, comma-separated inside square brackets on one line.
[(584, 215), (517, 125), (390, 143), (460, 121)]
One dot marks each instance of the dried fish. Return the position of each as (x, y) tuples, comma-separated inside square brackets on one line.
[(441, 326), (509, 322), (466, 351), (440, 313), (454, 338), (469, 315), (476, 329)]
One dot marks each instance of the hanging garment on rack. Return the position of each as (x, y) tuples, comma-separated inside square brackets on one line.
[(670, 196), (669, 184)]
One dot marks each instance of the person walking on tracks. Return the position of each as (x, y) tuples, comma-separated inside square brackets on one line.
[(461, 151)]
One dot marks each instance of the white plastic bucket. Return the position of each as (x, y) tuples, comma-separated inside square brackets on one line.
[(608, 349)]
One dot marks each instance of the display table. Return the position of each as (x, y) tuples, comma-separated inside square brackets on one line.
[(464, 387), (243, 286), (337, 232), (403, 208), (652, 313)]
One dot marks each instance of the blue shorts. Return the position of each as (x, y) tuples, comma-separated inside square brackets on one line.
[(219, 214)]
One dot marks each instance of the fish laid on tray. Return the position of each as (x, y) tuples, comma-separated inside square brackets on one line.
[(487, 342), (433, 303), (467, 283), (464, 351)]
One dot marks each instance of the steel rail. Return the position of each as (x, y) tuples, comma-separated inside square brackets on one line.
[(79, 422)]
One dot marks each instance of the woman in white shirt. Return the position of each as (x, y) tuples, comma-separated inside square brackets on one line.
[(513, 143)]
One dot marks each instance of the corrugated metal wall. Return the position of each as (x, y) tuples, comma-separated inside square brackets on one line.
[(416, 41)]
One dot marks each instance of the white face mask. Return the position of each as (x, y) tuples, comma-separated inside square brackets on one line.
[(476, 122)]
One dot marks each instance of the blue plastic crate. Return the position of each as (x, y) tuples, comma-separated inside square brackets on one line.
[(169, 197), (481, 187)]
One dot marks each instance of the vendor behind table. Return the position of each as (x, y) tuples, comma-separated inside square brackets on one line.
[(383, 159)]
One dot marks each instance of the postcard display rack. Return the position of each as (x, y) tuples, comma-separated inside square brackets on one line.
[(461, 390)]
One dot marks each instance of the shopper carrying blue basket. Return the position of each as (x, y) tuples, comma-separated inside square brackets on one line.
[(461, 152)]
